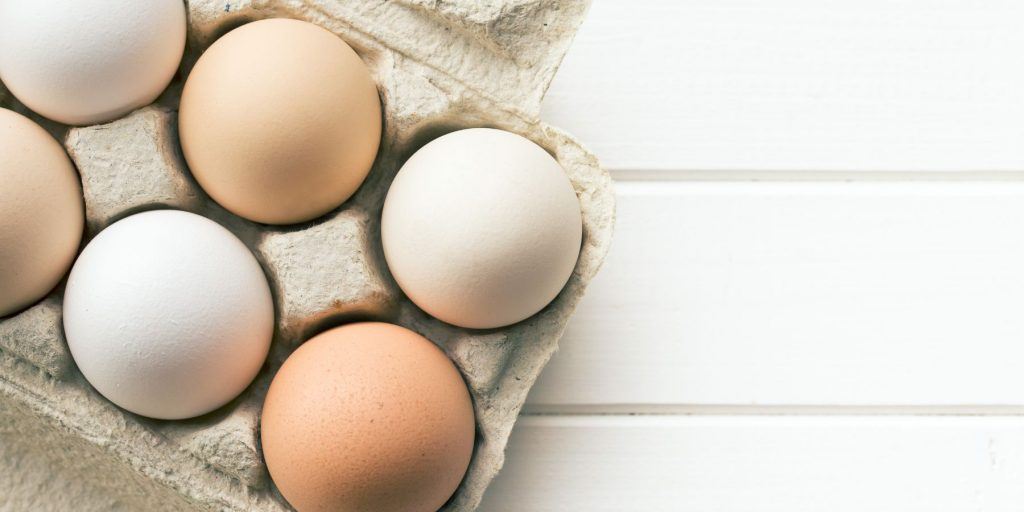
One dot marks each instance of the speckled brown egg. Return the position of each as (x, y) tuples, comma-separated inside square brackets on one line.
[(280, 121), (368, 417)]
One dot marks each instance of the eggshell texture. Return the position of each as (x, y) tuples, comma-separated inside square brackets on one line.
[(280, 121), (481, 228), (168, 314), (368, 417), (41, 212), (89, 61)]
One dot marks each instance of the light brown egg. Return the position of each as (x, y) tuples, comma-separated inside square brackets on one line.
[(41, 212), (280, 121), (368, 417)]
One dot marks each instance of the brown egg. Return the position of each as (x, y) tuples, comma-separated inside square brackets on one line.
[(41, 212), (280, 121), (368, 417)]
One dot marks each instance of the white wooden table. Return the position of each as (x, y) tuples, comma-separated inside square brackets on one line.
[(815, 298)]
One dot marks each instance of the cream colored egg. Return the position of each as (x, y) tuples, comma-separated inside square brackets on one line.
[(41, 212), (280, 121), (481, 228)]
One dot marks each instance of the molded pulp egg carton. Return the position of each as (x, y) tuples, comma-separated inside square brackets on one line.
[(440, 65)]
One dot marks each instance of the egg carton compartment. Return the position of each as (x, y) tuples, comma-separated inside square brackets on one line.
[(439, 66)]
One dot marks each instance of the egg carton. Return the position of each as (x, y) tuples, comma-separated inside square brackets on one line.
[(440, 65)]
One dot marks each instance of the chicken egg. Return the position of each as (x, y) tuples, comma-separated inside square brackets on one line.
[(368, 417), (168, 315), (481, 228), (280, 121), (89, 61), (41, 212)]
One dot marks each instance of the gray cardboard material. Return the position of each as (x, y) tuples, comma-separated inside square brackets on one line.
[(440, 65)]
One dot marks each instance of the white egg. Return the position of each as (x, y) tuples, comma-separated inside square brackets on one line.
[(481, 228), (168, 314), (89, 61)]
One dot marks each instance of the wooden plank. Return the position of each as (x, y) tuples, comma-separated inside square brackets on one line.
[(801, 294), (762, 464), (797, 85)]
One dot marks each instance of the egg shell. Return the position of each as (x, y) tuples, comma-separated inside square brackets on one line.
[(41, 212), (88, 61), (280, 121), (481, 228), (168, 315), (368, 417)]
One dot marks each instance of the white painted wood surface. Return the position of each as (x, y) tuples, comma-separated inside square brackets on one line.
[(814, 299), (797, 85), (738, 293), (762, 464)]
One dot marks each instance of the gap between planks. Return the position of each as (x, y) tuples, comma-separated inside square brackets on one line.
[(768, 410), (980, 176)]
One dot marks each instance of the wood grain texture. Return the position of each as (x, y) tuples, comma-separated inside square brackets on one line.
[(935, 85), (859, 294), (762, 464)]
